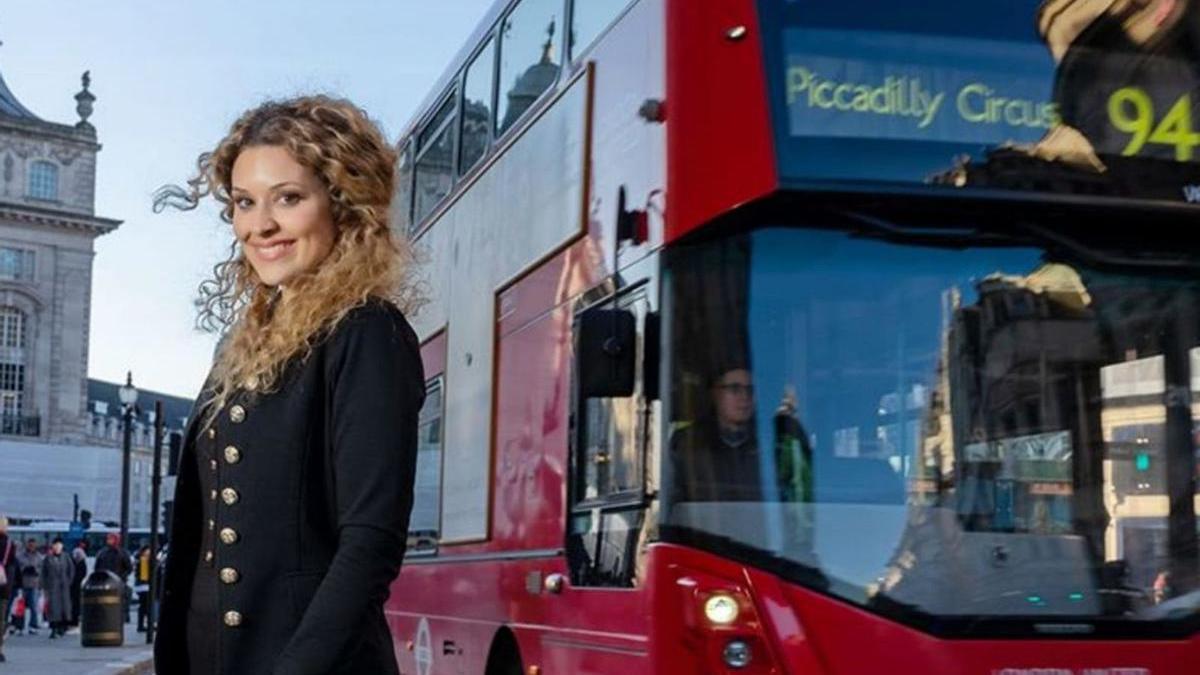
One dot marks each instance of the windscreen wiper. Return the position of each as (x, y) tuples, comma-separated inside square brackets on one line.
[(1095, 257), (873, 227)]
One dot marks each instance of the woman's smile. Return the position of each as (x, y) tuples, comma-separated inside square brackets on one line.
[(272, 251)]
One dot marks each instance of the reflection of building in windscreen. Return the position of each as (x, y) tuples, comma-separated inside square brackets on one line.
[(993, 507), (1063, 438), (1021, 360)]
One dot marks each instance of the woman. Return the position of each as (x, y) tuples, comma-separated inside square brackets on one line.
[(296, 477), (79, 556), (58, 569)]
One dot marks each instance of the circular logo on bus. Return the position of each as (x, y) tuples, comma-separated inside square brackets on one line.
[(423, 651)]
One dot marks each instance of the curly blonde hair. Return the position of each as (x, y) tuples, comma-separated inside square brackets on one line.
[(349, 155)]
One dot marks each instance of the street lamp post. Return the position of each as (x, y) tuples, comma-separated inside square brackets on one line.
[(128, 395)]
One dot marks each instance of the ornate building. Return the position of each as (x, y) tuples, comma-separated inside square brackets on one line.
[(60, 433), (47, 229)]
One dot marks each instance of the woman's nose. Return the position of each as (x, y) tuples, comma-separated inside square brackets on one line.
[(263, 223)]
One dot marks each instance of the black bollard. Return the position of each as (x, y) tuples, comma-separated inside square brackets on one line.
[(102, 618)]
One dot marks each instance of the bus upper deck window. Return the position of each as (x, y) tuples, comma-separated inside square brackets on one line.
[(529, 57)]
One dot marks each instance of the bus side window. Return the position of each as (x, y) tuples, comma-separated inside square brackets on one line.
[(424, 526), (402, 221), (478, 97), (590, 18), (611, 429), (529, 57), (435, 161)]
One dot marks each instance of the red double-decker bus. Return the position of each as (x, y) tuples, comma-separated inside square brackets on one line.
[(783, 336)]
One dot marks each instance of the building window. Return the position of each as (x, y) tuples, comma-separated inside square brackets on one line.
[(435, 160), (589, 19), (16, 264), (529, 57), (43, 180), (425, 524), (477, 107)]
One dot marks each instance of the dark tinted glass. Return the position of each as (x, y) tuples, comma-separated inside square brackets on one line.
[(477, 107), (529, 57), (1054, 96), (909, 423)]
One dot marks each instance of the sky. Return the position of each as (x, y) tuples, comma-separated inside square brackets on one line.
[(169, 79)]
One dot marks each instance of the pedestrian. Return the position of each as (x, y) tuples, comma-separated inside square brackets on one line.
[(30, 562), (58, 569), (285, 539), (79, 556), (113, 558), (141, 586), (8, 579)]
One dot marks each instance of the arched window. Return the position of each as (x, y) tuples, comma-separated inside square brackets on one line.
[(12, 368), (43, 180)]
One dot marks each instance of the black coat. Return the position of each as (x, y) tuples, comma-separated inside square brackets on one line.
[(323, 472), (115, 560)]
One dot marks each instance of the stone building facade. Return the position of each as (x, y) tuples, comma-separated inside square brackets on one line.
[(60, 433), (48, 226)]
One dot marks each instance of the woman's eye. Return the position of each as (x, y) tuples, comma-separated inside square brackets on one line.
[(243, 203), (289, 198)]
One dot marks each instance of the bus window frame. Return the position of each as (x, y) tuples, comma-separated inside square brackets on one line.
[(451, 96), (492, 38), (403, 153), (637, 501)]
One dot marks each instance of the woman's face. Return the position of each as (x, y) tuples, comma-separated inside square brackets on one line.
[(281, 214), (56, 547)]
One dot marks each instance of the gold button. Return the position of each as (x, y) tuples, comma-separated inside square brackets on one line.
[(208, 556), (230, 496), (229, 535), (212, 524), (232, 454), (233, 619), (212, 495), (212, 463), (236, 414), (229, 575), (212, 433)]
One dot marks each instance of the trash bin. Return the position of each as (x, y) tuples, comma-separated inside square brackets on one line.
[(101, 617)]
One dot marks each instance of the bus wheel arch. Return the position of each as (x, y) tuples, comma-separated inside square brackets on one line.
[(504, 656)]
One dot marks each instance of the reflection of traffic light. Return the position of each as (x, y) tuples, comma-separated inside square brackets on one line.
[(1141, 461)]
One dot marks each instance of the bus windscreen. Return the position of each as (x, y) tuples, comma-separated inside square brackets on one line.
[(1050, 96)]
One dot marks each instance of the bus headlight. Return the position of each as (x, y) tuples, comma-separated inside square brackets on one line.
[(736, 654), (721, 609)]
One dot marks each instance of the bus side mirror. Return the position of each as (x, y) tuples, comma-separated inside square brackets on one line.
[(606, 353)]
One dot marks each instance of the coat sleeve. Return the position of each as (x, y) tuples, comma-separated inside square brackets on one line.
[(376, 387)]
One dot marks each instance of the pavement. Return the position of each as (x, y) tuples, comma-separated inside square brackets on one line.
[(36, 654)]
